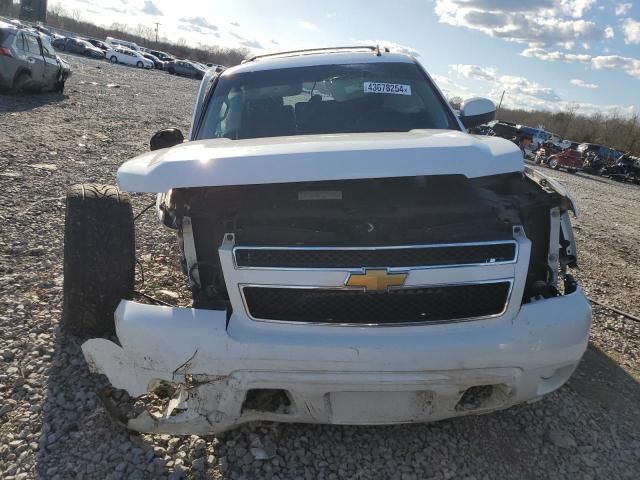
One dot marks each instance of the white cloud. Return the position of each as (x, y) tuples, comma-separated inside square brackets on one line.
[(307, 25), (150, 9), (474, 71), (522, 86), (555, 56), (582, 84), (631, 30), (576, 8), (534, 22), (599, 62), (392, 46), (449, 87), (521, 92), (623, 9)]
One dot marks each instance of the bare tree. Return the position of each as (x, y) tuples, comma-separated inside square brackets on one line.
[(569, 116), (455, 102), (145, 32), (76, 15)]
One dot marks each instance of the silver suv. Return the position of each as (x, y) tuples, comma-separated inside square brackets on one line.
[(28, 61)]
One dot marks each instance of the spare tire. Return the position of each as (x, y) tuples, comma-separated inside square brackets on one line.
[(99, 258)]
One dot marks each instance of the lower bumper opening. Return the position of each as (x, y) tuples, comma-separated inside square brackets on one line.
[(481, 397), (267, 400)]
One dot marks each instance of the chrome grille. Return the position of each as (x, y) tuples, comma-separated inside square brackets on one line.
[(375, 257)]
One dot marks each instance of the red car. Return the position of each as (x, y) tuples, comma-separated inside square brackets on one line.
[(569, 159)]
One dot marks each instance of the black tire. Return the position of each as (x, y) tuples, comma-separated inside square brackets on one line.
[(139, 64), (99, 258), (21, 82), (171, 71), (553, 163), (113, 59)]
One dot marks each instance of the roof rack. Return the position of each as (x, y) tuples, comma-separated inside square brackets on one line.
[(373, 48)]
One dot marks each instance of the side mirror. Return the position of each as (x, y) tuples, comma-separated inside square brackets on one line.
[(476, 111), (165, 138)]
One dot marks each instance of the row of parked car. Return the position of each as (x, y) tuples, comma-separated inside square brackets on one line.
[(548, 149), (590, 158), (129, 53)]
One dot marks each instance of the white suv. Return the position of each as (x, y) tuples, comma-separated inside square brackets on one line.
[(355, 256), (128, 57)]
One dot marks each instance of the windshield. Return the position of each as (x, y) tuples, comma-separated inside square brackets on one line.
[(366, 97)]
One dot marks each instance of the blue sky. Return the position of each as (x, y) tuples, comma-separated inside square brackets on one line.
[(548, 54)]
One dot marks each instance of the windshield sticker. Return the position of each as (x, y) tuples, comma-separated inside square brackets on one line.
[(392, 88)]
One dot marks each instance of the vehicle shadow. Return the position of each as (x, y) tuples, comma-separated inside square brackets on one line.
[(23, 102), (587, 428)]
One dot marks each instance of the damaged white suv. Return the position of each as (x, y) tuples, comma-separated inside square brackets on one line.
[(355, 256)]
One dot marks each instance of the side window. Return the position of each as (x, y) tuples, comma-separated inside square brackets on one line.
[(20, 42), (32, 44), (47, 51)]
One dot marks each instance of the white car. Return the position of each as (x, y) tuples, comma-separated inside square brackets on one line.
[(127, 57), (354, 256), (115, 42)]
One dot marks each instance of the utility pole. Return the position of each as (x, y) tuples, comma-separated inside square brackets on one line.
[(157, 24), (500, 104)]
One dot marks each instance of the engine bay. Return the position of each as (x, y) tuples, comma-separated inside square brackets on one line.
[(422, 210)]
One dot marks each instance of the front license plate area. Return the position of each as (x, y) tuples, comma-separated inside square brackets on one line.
[(380, 407)]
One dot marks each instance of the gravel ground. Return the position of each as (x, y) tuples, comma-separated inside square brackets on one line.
[(53, 427)]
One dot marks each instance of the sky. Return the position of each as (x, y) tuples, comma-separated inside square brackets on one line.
[(544, 54)]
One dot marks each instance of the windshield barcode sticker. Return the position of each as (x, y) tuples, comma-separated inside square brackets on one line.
[(393, 88)]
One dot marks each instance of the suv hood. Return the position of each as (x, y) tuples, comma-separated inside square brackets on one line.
[(310, 158)]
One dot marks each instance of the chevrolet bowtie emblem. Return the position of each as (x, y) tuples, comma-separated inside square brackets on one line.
[(376, 280)]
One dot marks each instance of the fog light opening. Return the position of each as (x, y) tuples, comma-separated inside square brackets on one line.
[(270, 400), (475, 398)]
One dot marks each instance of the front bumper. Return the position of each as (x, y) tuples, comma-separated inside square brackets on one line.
[(336, 375)]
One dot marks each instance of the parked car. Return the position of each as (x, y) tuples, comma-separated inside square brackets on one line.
[(98, 44), (538, 136), (114, 42), (157, 63), (28, 61), (127, 57), (605, 154), (569, 160), (356, 258), (185, 68), (626, 167), (82, 47), (165, 57), (43, 30), (504, 129), (58, 42)]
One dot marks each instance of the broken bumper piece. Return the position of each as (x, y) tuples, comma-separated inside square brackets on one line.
[(215, 377)]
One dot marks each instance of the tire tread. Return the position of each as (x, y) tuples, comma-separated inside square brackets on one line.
[(99, 257)]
